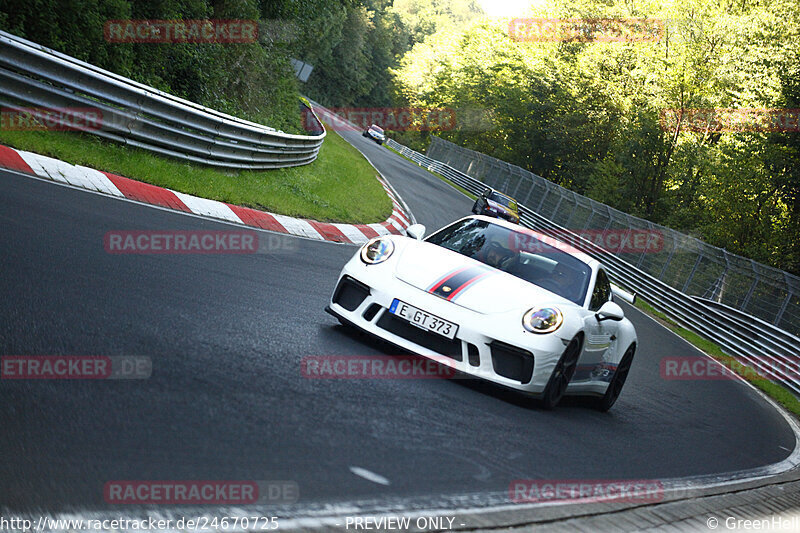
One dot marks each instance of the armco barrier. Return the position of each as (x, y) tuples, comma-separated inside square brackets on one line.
[(687, 264), (769, 350), (32, 76)]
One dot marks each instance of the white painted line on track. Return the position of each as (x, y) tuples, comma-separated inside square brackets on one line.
[(369, 476)]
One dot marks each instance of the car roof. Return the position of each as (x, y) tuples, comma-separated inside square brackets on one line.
[(574, 252)]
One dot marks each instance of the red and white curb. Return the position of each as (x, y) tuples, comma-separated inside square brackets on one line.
[(113, 185)]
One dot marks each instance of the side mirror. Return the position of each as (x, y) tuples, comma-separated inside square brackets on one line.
[(486, 193), (609, 311), (416, 231)]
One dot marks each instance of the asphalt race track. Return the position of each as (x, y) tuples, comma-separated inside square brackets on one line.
[(227, 401)]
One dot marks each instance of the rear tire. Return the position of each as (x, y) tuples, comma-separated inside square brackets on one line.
[(617, 381), (561, 376)]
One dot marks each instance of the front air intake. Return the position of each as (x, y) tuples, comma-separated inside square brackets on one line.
[(350, 293)]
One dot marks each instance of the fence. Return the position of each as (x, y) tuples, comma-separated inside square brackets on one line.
[(770, 350), (34, 78), (684, 262)]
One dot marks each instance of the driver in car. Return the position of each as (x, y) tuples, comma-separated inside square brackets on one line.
[(496, 255)]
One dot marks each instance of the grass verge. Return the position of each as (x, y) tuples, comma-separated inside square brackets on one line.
[(458, 187), (340, 186), (774, 390)]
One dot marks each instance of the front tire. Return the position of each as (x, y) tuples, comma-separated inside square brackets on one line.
[(561, 376), (615, 387)]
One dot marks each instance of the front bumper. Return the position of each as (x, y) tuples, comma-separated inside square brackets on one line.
[(493, 346)]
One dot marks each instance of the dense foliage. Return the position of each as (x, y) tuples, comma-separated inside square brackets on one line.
[(588, 114), (254, 80)]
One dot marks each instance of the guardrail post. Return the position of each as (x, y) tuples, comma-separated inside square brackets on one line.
[(691, 274), (541, 202), (783, 308), (558, 204), (646, 246), (669, 259), (627, 233), (718, 297), (752, 288), (589, 220)]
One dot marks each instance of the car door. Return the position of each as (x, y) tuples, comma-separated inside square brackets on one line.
[(600, 338)]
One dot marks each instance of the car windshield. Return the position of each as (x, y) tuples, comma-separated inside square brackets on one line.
[(503, 200), (376, 129), (521, 253)]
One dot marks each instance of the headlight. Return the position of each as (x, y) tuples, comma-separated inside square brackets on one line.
[(544, 320), (377, 250)]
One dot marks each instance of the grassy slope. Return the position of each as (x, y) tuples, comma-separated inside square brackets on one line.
[(340, 186)]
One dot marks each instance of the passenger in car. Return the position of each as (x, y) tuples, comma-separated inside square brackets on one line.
[(565, 282)]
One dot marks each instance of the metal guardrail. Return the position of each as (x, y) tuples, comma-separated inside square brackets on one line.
[(772, 352), (683, 261), (141, 116)]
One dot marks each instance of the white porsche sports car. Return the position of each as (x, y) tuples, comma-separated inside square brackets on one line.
[(494, 300)]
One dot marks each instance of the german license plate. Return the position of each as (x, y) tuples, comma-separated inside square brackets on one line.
[(423, 319)]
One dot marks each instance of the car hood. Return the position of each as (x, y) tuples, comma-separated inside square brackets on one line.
[(467, 282)]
